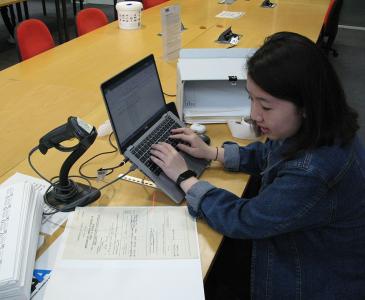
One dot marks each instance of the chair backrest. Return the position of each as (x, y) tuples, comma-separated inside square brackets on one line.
[(330, 27), (33, 37), (151, 3), (332, 18), (330, 6), (90, 19)]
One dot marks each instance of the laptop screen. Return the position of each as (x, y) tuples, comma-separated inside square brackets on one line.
[(134, 99)]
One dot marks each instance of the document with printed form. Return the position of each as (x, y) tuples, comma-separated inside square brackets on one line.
[(128, 253)]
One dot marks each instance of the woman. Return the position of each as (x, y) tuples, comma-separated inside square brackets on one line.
[(307, 222)]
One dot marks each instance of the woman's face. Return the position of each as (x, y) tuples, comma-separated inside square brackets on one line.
[(277, 118)]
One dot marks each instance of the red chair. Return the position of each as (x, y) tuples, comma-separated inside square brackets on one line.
[(89, 19), (33, 37), (330, 27), (150, 3), (329, 9)]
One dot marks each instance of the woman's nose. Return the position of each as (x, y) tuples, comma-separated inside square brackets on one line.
[(255, 112)]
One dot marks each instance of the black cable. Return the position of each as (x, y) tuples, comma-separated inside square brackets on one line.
[(169, 95), (34, 169), (131, 169), (108, 170), (64, 192), (73, 205), (63, 195), (69, 191)]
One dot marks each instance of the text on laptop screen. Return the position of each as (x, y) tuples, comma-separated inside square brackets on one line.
[(133, 98)]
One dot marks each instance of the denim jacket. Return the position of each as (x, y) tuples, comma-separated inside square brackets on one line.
[(307, 223)]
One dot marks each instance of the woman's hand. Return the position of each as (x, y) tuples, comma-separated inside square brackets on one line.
[(169, 160), (196, 146)]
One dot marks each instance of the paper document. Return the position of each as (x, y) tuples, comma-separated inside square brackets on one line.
[(230, 14), (20, 219), (128, 253), (131, 233), (50, 223), (43, 269)]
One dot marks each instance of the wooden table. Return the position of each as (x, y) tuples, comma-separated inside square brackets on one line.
[(40, 93)]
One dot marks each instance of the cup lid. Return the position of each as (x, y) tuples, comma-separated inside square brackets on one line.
[(129, 5)]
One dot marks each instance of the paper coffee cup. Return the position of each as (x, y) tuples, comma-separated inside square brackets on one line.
[(129, 14)]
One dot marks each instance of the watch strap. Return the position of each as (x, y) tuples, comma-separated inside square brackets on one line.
[(185, 175)]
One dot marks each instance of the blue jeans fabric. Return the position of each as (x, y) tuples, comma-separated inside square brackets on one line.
[(307, 223)]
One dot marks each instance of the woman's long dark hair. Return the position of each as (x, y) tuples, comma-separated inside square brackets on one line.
[(291, 67)]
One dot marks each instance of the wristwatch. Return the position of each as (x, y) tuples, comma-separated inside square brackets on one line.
[(185, 175)]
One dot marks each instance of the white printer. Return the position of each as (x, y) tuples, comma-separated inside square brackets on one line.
[(211, 85)]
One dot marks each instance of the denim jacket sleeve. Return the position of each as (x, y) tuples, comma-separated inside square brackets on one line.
[(291, 202), (249, 159)]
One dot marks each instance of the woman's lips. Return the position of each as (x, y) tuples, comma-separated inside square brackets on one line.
[(264, 130)]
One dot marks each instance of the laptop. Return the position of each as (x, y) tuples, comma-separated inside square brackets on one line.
[(140, 117)]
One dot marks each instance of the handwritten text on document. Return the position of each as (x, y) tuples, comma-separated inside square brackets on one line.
[(131, 233)]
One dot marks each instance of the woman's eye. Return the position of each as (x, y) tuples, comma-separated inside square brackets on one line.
[(266, 108)]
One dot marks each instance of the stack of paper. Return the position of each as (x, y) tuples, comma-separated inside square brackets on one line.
[(128, 253), (214, 101), (20, 220), (50, 222), (215, 115)]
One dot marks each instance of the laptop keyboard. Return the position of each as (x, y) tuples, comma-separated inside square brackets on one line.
[(160, 134)]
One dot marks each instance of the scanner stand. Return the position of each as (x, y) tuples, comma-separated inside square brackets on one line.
[(85, 195)]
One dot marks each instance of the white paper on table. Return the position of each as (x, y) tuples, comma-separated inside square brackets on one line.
[(90, 271), (44, 266), (230, 14), (40, 241), (131, 233), (50, 223), (21, 211)]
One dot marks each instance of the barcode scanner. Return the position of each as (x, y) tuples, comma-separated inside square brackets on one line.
[(74, 128), (65, 191)]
